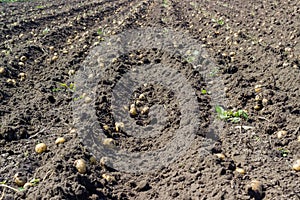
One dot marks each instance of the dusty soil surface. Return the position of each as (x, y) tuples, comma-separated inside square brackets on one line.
[(251, 43)]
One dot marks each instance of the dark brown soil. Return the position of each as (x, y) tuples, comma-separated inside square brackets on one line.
[(251, 43)]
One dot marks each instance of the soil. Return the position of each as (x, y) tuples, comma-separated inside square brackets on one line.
[(251, 43)]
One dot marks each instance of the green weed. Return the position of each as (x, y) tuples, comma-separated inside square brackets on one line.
[(229, 115)]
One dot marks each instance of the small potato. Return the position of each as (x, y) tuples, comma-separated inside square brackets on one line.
[(220, 156), (296, 165), (27, 185), (40, 148), (142, 97), (145, 110), (281, 134), (108, 141), (258, 88), (108, 178), (60, 140), (80, 166), (54, 58), (2, 70), (93, 160), (87, 100), (71, 72), (119, 126), (299, 138), (133, 111), (257, 107), (240, 170), (19, 179)]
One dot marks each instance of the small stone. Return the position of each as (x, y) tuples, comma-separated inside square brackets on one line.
[(73, 131), (296, 165), (71, 72), (257, 98), (22, 76), (87, 100), (51, 48), (93, 160), (142, 97), (27, 185), (143, 186), (281, 134), (23, 58), (265, 101), (299, 138), (21, 64), (104, 162), (108, 141), (119, 126)]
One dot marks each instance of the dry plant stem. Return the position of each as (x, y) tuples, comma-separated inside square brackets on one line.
[(3, 193), (47, 175), (14, 189)]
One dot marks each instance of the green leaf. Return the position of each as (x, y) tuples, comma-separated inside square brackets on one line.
[(219, 110), (203, 91), (3, 182)]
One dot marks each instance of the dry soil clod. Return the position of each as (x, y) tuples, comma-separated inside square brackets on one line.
[(255, 189)]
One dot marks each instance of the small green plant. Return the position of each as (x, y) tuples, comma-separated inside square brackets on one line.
[(77, 98), (39, 7), (35, 181), (64, 86), (3, 182), (46, 30), (203, 91), (100, 32), (229, 115), (165, 3), (221, 22), (283, 152)]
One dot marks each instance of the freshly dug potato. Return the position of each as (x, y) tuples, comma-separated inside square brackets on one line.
[(40, 148), (80, 166)]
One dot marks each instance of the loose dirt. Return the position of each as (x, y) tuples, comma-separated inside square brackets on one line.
[(251, 43)]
